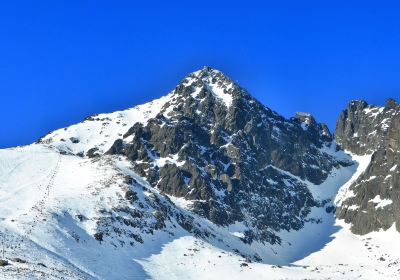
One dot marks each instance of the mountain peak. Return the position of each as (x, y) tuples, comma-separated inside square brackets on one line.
[(207, 72), (208, 69), (358, 104), (206, 171), (211, 80)]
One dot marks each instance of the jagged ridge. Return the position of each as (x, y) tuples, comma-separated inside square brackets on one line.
[(374, 201)]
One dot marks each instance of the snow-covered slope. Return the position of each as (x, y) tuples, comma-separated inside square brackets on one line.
[(99, 132), (347, 256), (50, 215)]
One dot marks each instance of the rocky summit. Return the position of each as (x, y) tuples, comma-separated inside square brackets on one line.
[(205, 178), (373, 202), (216, 146), (233, 159)]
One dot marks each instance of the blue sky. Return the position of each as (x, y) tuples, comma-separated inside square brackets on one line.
[(64, 60)]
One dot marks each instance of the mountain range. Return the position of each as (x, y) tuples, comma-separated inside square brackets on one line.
[(206, 183)]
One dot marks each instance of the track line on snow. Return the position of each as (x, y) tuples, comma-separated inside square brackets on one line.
[(38, 208)]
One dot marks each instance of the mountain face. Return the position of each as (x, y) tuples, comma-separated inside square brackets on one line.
[(204, 173), (373, 200), (231, 158)]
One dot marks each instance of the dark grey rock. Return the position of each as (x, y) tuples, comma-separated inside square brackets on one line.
[(99, 236), (367, 129), (93, 152), (74, 140), (231, 160), (18, 260)]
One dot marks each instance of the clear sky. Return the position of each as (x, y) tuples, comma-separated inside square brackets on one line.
[(64, 60)]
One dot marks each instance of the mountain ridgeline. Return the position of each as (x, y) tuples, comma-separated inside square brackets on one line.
[(233, 160), (205, 177), (215, 145)]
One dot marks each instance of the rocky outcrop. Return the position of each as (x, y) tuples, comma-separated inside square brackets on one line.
[(363, 128), (374, 202), (213, 144)]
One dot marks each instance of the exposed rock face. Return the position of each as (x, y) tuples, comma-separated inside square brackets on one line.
[(363, 128), (367, 129), (231, 157)]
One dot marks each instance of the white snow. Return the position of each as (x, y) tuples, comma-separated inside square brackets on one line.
[(42, 191), (373, 111), (380, 203), (220, 94), (346, 256), (220, 89), (370, 179), (104, 129), (353, 207), (345, 192), (160, 162)]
